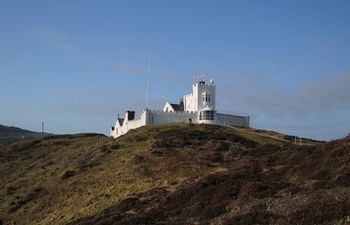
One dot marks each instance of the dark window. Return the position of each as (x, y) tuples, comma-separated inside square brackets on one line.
[(206, 98), (207, 115)]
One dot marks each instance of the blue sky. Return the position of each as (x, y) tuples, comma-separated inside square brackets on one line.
[(76, 64)]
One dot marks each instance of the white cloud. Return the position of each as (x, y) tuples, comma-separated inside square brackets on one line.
[(322, 95)]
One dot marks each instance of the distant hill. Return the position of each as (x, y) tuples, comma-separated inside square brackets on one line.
[(9, 134), (175, 174)]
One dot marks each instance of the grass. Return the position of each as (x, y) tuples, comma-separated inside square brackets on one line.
[(59, 179)]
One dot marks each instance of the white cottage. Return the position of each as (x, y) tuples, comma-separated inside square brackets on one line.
[(196, 107)]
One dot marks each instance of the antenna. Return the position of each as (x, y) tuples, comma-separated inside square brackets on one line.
[(148, 76), (42, 129), (199, 77), (202, 77)]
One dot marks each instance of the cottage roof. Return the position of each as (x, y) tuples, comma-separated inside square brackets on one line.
[(177, 107), (121, 121)]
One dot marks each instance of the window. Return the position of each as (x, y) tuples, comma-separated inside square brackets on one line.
[(207, 115), (205, 98)]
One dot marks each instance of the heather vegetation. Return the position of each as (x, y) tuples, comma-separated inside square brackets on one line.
[(176, 174)]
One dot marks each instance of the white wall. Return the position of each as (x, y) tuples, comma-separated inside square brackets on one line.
[(199, 89), (232, 120), (189, 103), (157, 117), (153, 117), (128, 125), (193, 102), (160, 117), (168, 108)]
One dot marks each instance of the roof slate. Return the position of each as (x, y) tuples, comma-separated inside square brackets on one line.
[(177, 107), (121, 121)]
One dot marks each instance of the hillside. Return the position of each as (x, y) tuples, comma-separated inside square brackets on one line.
[(14, 134), (175, 174)]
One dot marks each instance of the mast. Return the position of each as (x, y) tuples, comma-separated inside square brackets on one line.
[(148, 77)]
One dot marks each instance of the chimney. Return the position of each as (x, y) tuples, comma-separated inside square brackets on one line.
[(130, 115)]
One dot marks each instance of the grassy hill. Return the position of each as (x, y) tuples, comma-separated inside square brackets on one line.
[(175, 174), (14, 134)]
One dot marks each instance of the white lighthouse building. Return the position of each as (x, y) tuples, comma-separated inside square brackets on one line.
[(196, 107)]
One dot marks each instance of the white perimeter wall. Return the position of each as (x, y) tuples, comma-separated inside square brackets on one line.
[(232, 120), (157, 117), (153, 117)]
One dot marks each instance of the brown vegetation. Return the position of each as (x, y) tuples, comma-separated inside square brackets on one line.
[(176, 174)]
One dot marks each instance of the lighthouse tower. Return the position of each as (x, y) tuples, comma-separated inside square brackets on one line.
[(202, 101)]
